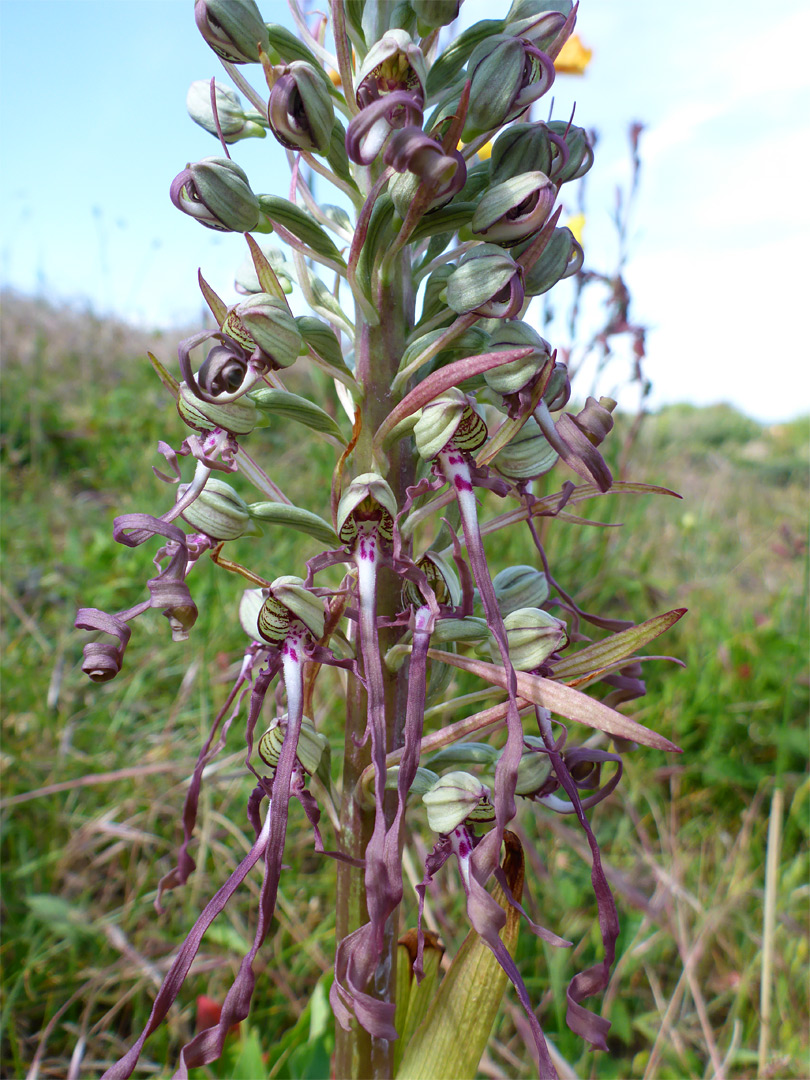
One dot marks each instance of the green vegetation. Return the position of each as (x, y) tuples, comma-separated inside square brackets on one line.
[(93, 776)]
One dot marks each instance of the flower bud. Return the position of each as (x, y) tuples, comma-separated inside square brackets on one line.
[(488, 281), (537, 20), (288, 600), (216, 192), (233, 28), (219, 512), (527, 456), (434, 13), (519, 587), (533, 635), (450, 416), (237, 417), (558, 389), (234, 122), (521, 148), (300, 109), (457, 797), (270, 327), (580, 152), (515, 208), (311, 744), (368, 498), (442, 578), (507, 74), (393, 63), (561, 258), (533, 771), (513, 376)]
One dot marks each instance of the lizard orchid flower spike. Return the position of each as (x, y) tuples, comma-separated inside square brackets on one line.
[(418, 335)]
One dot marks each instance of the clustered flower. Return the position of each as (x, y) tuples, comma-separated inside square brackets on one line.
[(425, 333)]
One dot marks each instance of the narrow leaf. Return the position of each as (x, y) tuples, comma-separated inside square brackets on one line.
[(450, 1041), (441, 380), (219, 309), (561, 699), (264, 271), (165, 376), (616, 647)]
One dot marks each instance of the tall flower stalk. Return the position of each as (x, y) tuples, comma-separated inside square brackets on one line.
[(420, 283)]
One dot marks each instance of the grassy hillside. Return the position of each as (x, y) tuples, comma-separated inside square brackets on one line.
[(94, 776)]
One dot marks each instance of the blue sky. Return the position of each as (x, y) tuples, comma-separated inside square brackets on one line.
[(94, 127)]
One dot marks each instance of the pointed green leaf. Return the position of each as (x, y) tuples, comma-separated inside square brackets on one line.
[(561, 699), (293, 517), (219, 309), (617, 647), (451, 1039), (165, 376), (264, 271), (300, 409)]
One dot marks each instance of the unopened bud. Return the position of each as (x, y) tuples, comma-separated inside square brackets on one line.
[(271, 327), (455, 798), (561, 258), (533, 771), (488, 281), (513, 376), (507, 74), (234, 122), (233, 28), (434, 13), (216, 192), (528, 455), (558, 389), (219, 512), (533, 635), (519, 587), (300, 109), (520, 148), (580, 152), (514, 209)]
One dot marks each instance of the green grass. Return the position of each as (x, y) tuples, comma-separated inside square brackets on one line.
[(685, 840)]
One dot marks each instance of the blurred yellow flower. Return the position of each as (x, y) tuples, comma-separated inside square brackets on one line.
[(334, 78), (574, 57), (577, 226), (485, 153)]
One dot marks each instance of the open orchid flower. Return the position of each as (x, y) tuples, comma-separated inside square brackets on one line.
[(420, 337)]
